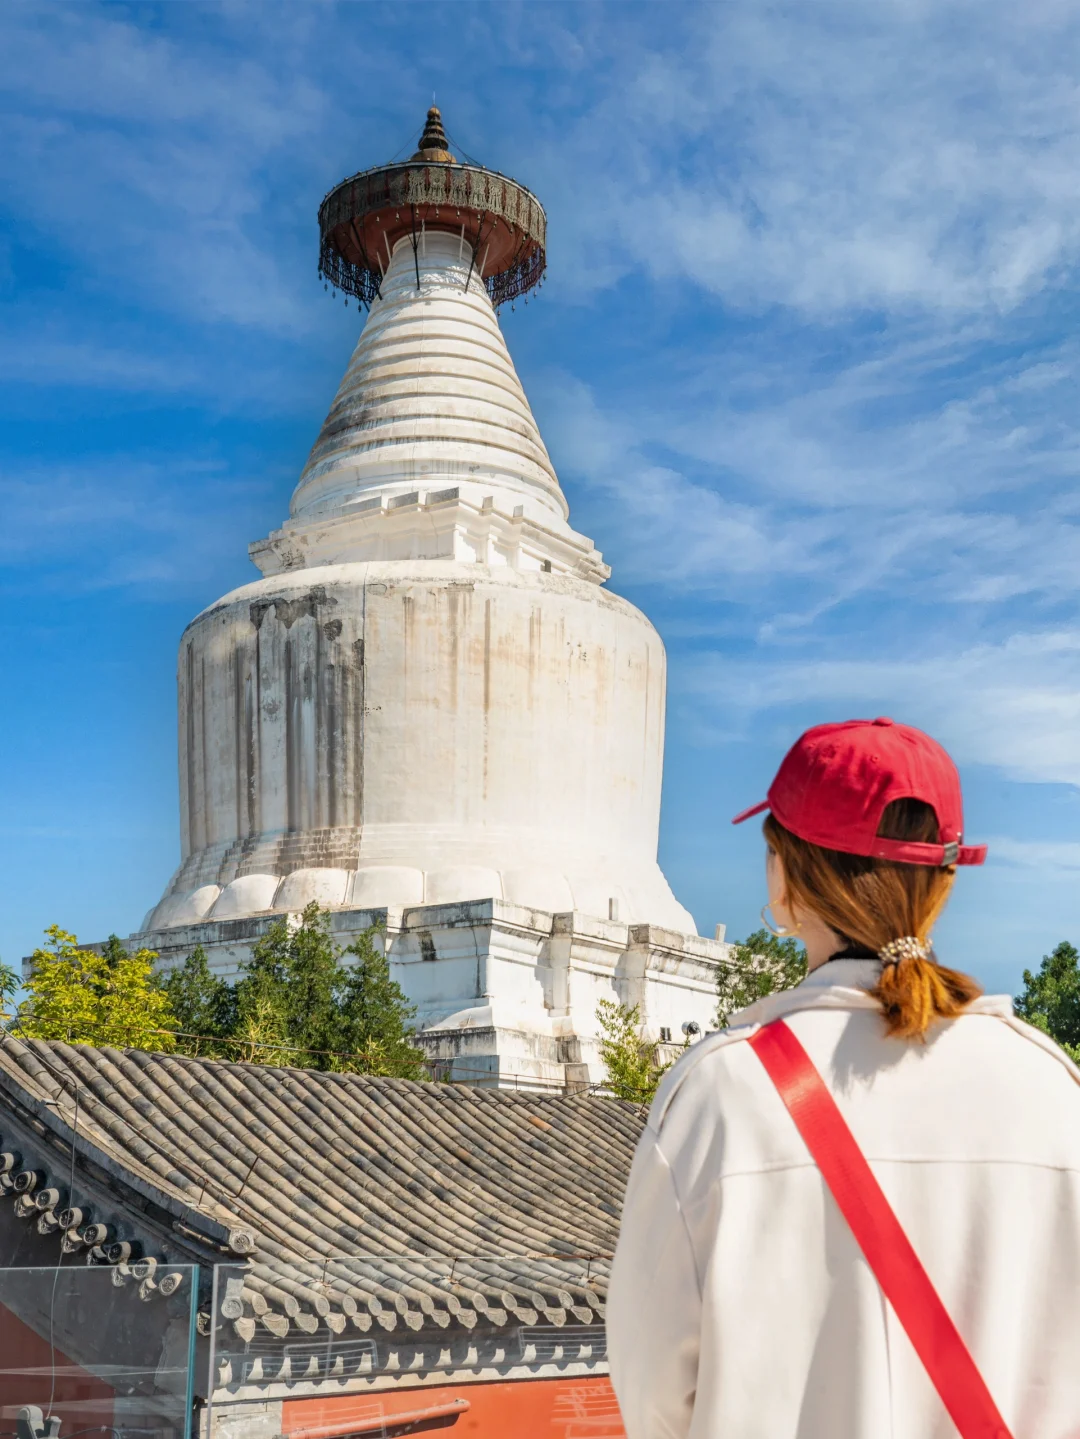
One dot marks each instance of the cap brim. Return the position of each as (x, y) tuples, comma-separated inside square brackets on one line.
[(750, 813)]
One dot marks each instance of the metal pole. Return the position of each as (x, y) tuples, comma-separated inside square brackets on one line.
[(193, 1330), (210, 1380), (472, 262)]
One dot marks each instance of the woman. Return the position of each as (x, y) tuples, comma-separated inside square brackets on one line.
[(742, 1304)]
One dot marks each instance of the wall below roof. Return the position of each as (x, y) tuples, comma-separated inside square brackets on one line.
[(520, 1408), (536, 1409)]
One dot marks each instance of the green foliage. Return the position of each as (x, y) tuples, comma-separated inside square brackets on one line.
[(9, 987), (375, 1015), (632, 1065), (763, 965), (86, 998), (260, 1036), (296, 1003), (202, 1003), (290, 988), (1051, 998)]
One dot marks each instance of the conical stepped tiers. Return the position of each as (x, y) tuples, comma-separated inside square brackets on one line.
[(429, 697), (431, 397)]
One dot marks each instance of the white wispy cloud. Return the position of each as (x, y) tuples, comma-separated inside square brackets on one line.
[(899, 179), (123, 523), (144, 154), (890, 542), (831, 158), (1013, 705), (839, 156), (969, 500)]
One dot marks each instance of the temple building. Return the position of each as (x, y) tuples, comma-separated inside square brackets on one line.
[(233, 1251), (430, 712)]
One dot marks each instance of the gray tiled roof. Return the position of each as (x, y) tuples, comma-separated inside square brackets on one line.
[(416, 1205)]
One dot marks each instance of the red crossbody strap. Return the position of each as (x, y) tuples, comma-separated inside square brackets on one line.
[(887, 1249)]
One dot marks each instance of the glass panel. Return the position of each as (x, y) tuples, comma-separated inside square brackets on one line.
[(507, 1348), (98, 1349)]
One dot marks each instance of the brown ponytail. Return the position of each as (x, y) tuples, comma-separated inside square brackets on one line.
[(872, 901)]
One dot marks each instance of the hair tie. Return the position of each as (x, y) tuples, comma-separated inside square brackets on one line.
[(907, 947)]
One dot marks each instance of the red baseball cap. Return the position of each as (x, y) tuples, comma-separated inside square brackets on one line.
[(836, 779)]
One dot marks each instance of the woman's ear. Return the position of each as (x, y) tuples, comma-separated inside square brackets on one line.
[(776, 880)]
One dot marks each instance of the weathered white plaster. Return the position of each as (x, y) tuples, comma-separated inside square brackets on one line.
[(545, 888), (461, 721), (445, 886), (390, 884), (325, 887), (428, 698), (186, 908), (247, 895)]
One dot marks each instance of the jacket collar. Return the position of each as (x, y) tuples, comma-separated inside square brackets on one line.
[(861, 974), (842, 984)]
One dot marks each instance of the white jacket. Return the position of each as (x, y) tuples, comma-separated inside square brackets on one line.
[(740, 1306)]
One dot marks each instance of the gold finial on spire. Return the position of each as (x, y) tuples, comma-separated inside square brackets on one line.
[(433, 142)]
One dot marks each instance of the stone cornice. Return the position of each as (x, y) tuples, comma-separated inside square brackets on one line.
[(451, 523)]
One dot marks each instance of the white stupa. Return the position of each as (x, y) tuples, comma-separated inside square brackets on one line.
[(430, 711)]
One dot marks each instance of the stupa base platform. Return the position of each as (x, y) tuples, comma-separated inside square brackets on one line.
[(506, 996)]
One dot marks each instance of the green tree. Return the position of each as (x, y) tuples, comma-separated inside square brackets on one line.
[(632, 1064), (761, 965), (81, 997), (296, 991), (259, 1035), (1051, 998), (297, 1001), (203, 1005), (375, 1018), (290, 985), (9, 988)]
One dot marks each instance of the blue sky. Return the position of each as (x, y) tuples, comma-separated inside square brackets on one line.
[(806, 362)]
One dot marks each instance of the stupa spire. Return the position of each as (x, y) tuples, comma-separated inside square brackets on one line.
[(431, 410), (431, 399), (434, 146)]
